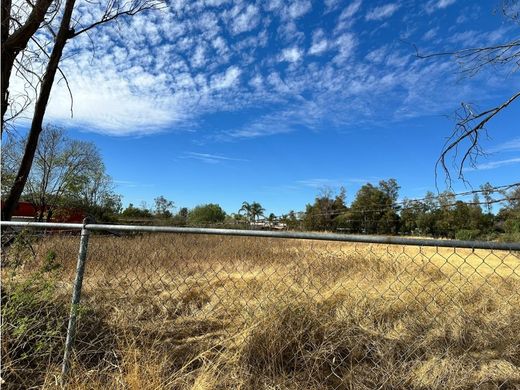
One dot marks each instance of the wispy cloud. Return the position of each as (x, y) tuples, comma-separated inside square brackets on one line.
[(209, 158), (298, 8), (434, 5), (382, 12), (350, 10), (320, 183), (291, 54), (132, 184), (509, 146), (204, 57), (495, 164), (370, 179)]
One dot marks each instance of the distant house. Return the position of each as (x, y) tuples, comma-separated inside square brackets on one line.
[(27, 211), (266, 225)]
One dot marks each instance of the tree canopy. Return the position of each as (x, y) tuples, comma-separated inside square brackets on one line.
[(206, 214)]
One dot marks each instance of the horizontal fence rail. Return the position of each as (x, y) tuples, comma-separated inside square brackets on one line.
[(191, 308), (369, 239)]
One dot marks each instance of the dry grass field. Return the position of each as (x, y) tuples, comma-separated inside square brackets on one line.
[(200, 312)]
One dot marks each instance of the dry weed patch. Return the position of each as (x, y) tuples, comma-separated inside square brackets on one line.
[(200, 312)]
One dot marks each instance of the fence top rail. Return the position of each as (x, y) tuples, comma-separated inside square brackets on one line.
[(369, 239)]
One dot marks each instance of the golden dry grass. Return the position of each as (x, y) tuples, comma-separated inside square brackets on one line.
[(199, 312)]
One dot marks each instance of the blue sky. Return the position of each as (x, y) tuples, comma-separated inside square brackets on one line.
[(226, 101)]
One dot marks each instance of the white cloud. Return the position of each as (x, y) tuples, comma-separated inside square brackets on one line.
[(345, 44), (209, 157), (434, 5), (245, 20), (382, 12), (291, 54), (321, 183), (298, 8), (351, 9), (495, 164), (107, 104), (199, 58), (319, 47), (165, 70), (331, 4), (319, 43), (509, 146), (431, 33), (227, 79), (378, 55)]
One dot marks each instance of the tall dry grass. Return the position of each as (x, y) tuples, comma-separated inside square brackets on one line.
[(200, 312)]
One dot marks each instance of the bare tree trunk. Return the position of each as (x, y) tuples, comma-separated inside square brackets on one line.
[(6, 58), (64, 33), (17, 42)]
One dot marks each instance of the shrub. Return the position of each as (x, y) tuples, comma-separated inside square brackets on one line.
[(467, 234)]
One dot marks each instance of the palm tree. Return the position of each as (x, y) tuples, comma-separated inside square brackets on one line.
[(246, 209), (252, 210), (257, 210)]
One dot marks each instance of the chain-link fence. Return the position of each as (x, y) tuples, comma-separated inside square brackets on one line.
[(175, 309)]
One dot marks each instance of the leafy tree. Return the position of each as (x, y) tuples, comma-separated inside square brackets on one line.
[(163, 207), (206, 214), (412, 212), (327, 207), (487, 191), (65, 172), (291, 219), (34, 33), (509, 216), (136, 212), (181, 218), (374, 209)]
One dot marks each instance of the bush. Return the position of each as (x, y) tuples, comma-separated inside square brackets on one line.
[(33, 328), (467, 234), (35, 312), (206, 214)]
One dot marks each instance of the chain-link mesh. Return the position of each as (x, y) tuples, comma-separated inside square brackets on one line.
[(179, 311)]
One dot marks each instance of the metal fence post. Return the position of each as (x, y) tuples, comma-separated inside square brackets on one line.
[(76, 296)]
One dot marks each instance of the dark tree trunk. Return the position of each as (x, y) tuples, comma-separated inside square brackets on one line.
[(6, 69), (16, 42), (63, 35)]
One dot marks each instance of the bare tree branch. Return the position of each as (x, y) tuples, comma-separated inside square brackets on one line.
[(64, 78), (469, 127), (113, 12), (471, 123)]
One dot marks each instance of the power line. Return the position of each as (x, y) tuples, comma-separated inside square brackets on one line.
[(395, 205)]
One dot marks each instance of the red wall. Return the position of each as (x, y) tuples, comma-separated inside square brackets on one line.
[(28, 210)]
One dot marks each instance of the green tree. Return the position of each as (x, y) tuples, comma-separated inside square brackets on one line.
[(257, 211), (245, 210), (35, 34), (374, 209), (509, 216), (136, 212), (291, 220), (181, 218), (206, 214), (65, 173), (252, 211), (323, 213), (487, 191), (163, 207), (412, 212)]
